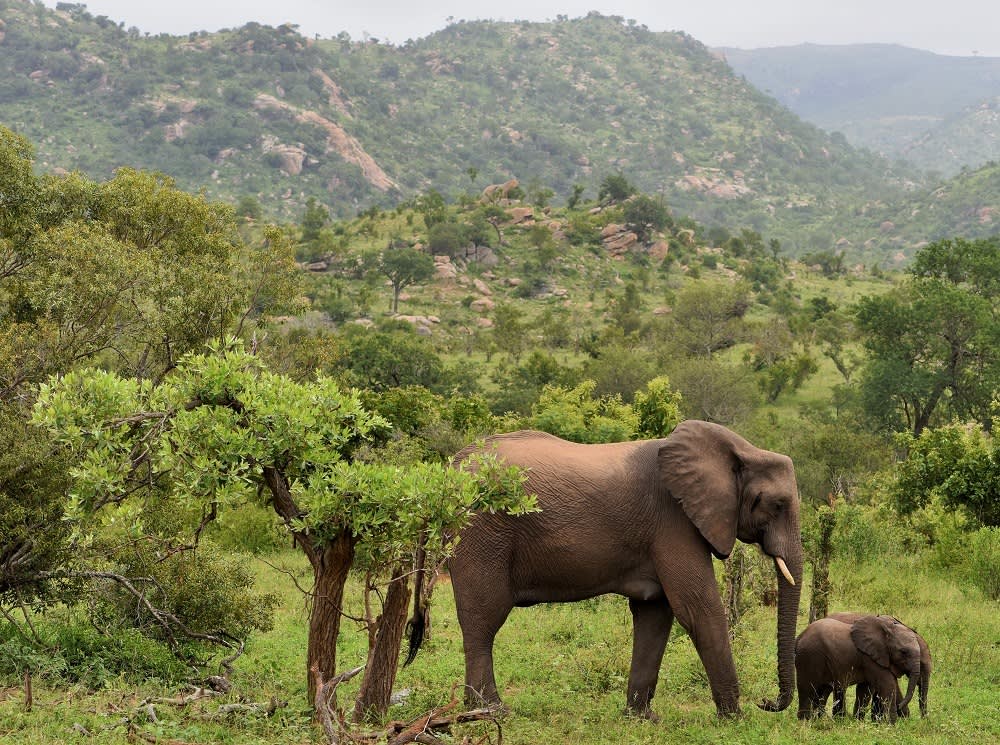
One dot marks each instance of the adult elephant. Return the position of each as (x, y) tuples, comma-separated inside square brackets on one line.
[(863, 693), (873, 651), (640, 519)]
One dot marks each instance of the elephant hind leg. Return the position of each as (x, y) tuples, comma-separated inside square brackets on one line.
[(651, 622), (480, 616), (812, 698)]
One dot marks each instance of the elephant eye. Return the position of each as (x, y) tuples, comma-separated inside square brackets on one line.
[(756, 502)]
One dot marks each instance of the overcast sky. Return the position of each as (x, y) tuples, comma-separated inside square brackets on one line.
[(957, 27)]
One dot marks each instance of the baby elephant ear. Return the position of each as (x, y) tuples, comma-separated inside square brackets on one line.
[(870, 635), (698, 465)]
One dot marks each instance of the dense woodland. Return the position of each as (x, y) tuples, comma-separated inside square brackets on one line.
[(225, 434)]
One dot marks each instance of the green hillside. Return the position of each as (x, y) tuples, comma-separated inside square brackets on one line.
[(267, 113)]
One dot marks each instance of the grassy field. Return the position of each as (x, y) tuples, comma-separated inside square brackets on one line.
[(562, 670)]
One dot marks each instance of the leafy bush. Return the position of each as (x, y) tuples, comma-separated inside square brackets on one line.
[(205, 589), (575, 415), (984, 561), (72, 651), (252, 529), (960, 464), (868, 533), (93, 658)]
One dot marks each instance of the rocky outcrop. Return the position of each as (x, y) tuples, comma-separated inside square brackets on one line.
[(482, 255), (337, 140), (176, 130), (422, 324), (521, 215), (334, 95), (618, 240), (715, 182), (443, 268), (496, 192), (290, 158), (482, 305)]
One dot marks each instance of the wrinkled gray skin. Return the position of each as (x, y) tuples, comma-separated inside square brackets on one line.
[(639, 519), (863, 693), (873, 651)]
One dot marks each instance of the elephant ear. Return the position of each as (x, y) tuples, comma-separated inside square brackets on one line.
[(871, 636), (699, 464)]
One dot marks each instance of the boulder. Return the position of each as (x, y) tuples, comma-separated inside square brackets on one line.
[(519, 215), (482, 305)]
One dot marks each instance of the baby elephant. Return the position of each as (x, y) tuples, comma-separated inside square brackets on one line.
[(863, 694), (874, 651)]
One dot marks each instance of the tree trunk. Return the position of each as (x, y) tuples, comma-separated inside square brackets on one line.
[(331, 564), (736, 569), (819, 603), (383, 657)]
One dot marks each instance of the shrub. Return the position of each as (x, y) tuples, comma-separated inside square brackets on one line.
[(251, 529), (984, 561), (867, 534), (205, 589)]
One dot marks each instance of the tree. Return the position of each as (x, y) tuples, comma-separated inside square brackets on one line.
[(645, 216), (837, 336), (714, 391), (404, 267), (223, 430), (446, 238), (389, 357), (934, 342), (509, 329), (708, 316), (128, 274), (314, 219), (614, 188), (432, 206), (773, 355), (575, 196), (960, 465)]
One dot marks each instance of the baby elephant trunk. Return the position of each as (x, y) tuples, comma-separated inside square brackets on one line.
[(912, 675)]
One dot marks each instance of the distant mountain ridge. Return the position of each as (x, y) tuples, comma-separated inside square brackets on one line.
[(889, 98)]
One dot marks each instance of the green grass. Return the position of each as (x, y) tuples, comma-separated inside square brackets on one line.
[(562, 670)]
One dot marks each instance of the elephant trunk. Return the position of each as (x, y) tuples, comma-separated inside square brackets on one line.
[(788, 611), (912, 675)]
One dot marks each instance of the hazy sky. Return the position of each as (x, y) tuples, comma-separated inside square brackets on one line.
[(959, 27)]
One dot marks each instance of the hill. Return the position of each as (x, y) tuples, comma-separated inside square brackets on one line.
[(267, 114), (899, 101), (966, 139)]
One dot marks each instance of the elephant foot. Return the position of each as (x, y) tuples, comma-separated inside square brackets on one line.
[(476, 700), (648, 714)]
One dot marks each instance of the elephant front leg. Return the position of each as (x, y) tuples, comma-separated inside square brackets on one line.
[(651, 622), (698, 608), (862, 699), (839, 700)]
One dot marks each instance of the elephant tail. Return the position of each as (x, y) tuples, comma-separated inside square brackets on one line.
[(415, 631), (417, 625)]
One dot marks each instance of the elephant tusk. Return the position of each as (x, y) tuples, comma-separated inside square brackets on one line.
[(784, 569)]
